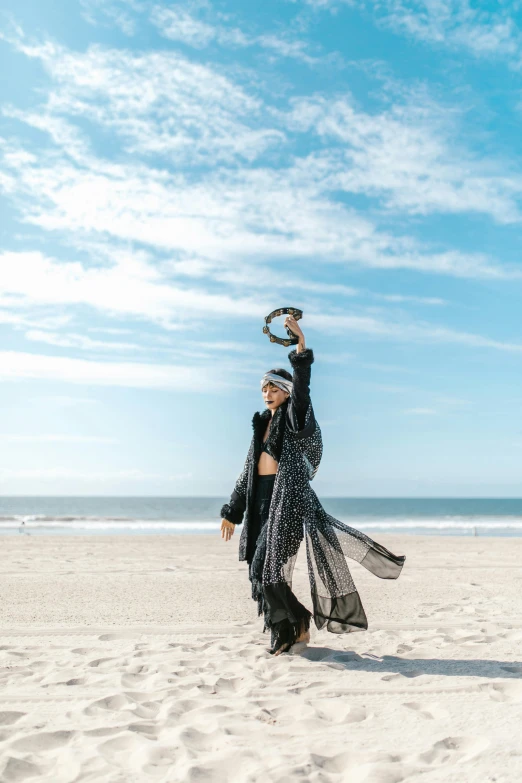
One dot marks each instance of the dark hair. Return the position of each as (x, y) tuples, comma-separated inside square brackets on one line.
[(283, 373)]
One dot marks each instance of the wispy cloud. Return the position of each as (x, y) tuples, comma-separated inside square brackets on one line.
[(458, 24), (421, 411), (159, 103), (129, 287), (78, 341), (236, 217), (409, 156), (407, 330), (59, 438), (486, 32), (139, 290), (180, 23), (64, 400), (199, 25), (120, 14), (16, 365), (405, 157), (226, 230), (67, 474)]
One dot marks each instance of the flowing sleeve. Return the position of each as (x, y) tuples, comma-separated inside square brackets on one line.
[(234, 510), (300, 417)]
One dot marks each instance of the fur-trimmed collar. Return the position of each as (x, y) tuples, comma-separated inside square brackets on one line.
[(260, 423), (260, 418)]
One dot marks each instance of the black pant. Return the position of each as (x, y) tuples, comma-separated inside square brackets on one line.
[(283, 614)]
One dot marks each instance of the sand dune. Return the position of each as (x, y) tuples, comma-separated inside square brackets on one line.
[(135, 659)]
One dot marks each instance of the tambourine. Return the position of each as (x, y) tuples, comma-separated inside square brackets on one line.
[(291, 339)]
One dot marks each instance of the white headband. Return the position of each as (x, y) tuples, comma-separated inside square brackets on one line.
[(277, 380)]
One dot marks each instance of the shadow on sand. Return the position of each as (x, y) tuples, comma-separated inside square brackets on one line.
[(413, 667)]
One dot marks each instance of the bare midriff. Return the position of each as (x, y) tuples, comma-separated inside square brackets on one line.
[(267, 465)]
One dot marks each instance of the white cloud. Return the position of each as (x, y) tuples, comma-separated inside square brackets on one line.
[(159, 103), (140, 291), (421, 411), (407, 155), (19, 320), (78, 341), (182, 24), (65, 400), (178, 24), (234, 218), (230, 216), (113, 13), (233, 226), (456, 24), (16, 365), (130, 287), (424, 300), (110, 329), (63, 473), (407, 331), (50, 438), (459, 25)]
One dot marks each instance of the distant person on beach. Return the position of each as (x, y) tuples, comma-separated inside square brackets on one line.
[(274, 500)]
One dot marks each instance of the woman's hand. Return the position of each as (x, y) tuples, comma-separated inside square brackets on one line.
[(294, 327), (227, 529)]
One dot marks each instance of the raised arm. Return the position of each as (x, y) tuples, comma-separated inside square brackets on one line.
[(301, 359)]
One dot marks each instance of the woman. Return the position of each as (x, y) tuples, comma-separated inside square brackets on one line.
[(274, 500)]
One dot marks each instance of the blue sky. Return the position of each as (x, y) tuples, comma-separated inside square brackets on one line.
[(171, 172)]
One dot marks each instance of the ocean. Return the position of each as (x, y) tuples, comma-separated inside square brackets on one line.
[(180, 515)]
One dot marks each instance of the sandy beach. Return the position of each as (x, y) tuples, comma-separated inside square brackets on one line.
[(137, 658)]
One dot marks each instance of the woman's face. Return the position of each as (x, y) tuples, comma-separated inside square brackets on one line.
[(273, 396)]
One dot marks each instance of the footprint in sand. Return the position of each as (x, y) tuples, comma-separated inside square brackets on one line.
[(503, 691), (124, 743), (148, 730), (376, 773), (39, 743), (114, 637), (8, 718), (131, 680), (101, 663), (266, 716), (338, 763), (103, 731), (227, 684), (75, 681), (428, 711), (410, 673), (18, 769), (183, 706), (198, 741), (158, 759), (147, 710), (454, 750), (331, 711), (113, 703)]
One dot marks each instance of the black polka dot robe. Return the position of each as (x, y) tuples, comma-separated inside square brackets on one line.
[(295, 513)]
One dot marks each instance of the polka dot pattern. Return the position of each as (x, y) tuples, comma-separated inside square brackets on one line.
[(296, 513)]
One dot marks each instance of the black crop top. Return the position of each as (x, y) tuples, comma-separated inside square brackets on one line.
[(269, 445)]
